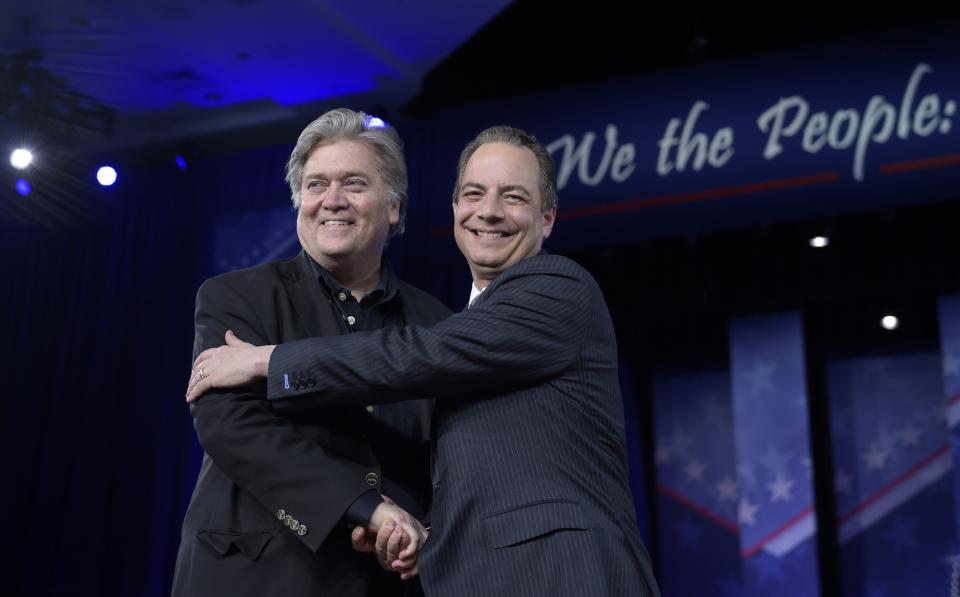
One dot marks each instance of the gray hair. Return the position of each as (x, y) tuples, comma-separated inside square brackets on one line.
[(344, 124), (514, 136)]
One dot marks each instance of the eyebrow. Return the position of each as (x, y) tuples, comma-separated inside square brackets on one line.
[(347, 174), (504, 189)]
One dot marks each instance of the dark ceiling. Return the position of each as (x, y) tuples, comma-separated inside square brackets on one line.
[(98, 73)]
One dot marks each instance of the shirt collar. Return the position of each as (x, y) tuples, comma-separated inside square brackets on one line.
[(387, 286), (475, 292)]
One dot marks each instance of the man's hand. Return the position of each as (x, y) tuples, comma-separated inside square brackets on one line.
[(235, 364), (394, 536)]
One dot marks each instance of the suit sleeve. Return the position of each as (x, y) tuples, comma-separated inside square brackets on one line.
[(259, 450), (530, 329)]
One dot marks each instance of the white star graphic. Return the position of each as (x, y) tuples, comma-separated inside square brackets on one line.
[(747, 512), (694, 470), (842, 482), (760, 378), (727, 489), (910, 435), (774, 460), (781, 489), (876, 458)]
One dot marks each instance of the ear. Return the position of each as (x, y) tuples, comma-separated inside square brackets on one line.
[(548, 219), (394, 214)]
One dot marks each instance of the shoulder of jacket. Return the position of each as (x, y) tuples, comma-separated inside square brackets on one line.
[(254, 279)]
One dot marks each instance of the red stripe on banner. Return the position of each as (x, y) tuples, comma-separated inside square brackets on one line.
[(954, 400), (940, 161), (681, 198), (786, 526), (692, 196), (892, 484), (684, 501)]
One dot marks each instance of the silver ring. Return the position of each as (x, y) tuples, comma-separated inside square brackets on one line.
[(201, 374)]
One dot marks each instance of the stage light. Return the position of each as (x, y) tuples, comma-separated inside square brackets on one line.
[(819, 242), (890, 322), (23, 187), (106, 176), (20, 158), (375, 123), (181, 162)]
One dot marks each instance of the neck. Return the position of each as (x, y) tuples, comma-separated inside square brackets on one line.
[(361, 278)]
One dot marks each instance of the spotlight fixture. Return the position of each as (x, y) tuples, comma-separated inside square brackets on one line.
[(181, 162), (890, 322), (819, 242), (106, 176), (20, 158)]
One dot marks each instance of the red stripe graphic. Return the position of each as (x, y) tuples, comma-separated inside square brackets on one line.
[(893, 484), (940, 161), (723, 522), (786, 526)]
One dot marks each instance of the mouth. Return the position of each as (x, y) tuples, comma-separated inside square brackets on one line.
[(336, 223), (490, 234)]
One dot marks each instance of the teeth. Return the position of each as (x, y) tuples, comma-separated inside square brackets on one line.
[(490, 234), (336, 223)]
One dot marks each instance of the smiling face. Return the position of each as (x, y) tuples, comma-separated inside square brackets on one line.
[(345, 213), (497, 215)]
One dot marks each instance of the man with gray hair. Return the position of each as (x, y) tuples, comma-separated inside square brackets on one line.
[(281, 489)]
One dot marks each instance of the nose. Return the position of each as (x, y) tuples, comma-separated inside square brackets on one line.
[(489, 208), (334, 198)]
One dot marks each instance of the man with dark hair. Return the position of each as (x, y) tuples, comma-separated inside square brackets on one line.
[(530, 488), (281, 489)]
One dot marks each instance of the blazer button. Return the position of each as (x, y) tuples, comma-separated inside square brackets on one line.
[(296, 384), (281, 513), (295, 525), (302, 530), (372, 479), (311, 382), (369, 408), (287, 520)]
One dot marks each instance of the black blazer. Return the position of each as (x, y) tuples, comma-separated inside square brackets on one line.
[(266, 515), (530, 488)]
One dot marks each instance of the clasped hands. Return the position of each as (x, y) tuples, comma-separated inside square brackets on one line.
[(394, 537), (392, 534)]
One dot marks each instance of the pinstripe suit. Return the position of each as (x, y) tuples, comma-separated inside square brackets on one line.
[(529, 470)]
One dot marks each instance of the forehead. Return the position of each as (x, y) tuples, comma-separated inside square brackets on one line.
[(502, 164), (342, 156)]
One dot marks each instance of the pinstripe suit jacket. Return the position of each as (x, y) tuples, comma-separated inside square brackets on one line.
[(529, 469)]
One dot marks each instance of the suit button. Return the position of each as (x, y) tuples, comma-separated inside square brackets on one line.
[(311, 382), (302, 530), (296, 384), (369, 408), (372, 479), (287, 520), (281, 513), (351, 319), (342, 296), (294, 525)]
